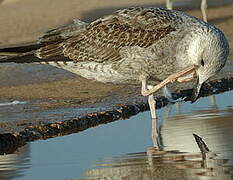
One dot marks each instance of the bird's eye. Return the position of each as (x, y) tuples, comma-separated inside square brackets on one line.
[(202, 62)]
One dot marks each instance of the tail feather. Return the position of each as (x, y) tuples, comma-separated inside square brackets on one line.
[(44, 54), (18, 53), (21, 48), (31, 58), (27, 57), (49, 51), (48, 48)]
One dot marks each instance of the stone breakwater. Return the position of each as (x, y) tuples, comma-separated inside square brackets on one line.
[(9, 142)]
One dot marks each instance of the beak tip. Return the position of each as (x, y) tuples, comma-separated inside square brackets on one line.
[(194, 96), (193, 100), (196, 91)]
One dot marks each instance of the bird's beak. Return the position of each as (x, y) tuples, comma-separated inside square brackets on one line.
[(196, 91)]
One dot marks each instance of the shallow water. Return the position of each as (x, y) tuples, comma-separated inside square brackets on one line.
[(124, 148)]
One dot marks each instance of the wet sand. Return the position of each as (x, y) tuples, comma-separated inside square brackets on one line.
[(25, 20), (29, 19)]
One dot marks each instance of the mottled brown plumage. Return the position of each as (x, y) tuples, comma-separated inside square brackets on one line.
[(103, 39), (131, 43)]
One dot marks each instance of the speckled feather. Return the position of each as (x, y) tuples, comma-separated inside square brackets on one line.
[(104, 38)]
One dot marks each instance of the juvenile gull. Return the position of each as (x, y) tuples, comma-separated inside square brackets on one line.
[(139, 45)]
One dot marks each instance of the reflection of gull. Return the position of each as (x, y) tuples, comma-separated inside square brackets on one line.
[(161, 165), (171, 164), (216, 130), (140, 45), (169, 4), (177, 135)]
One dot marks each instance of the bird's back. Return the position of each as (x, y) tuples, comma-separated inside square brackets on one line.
[(105, 41)]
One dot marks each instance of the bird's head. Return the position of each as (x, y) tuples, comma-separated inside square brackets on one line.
[(213, 52)]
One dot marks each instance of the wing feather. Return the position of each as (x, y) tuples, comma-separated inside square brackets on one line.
[(62, 33), (103, 39)]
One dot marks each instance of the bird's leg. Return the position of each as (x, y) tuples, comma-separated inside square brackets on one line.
[(154, 119), (151, 99), (169, 4), (203, 9), (172, 78), (149, 90), (213, 102), (152, 104), (186, 78)]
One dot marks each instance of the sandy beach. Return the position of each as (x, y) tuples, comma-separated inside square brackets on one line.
[(23, 21)]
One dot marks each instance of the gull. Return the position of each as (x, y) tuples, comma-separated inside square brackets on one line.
[(151, 46)]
